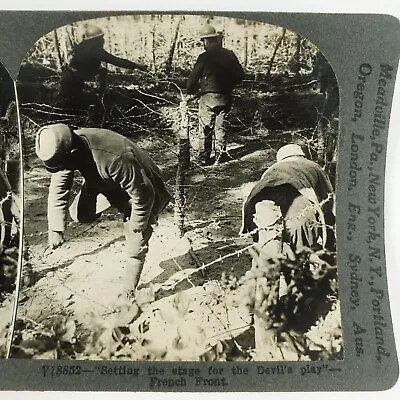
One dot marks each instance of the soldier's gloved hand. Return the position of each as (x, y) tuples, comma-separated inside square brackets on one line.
[(56, 239)]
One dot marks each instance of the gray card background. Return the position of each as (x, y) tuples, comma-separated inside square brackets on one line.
[(347, 41)]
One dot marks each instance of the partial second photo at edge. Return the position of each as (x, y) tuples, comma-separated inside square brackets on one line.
[(10, 209)]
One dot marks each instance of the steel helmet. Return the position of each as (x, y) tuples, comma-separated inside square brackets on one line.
[(53, 142), (288, 151), (208, 31), (92, 31)]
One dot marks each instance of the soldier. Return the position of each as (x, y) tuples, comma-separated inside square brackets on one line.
[(9, 225), (304, 195), (114, 169), (85, 65), (216, 72), (6, 208)]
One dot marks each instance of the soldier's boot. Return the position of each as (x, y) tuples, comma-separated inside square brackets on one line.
[(206, 158), (131, 311), (222, 156), (134, 267), (208, 137)]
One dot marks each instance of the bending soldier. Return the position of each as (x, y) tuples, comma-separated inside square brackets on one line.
[(85, 65), (114, 169), (304, 195)]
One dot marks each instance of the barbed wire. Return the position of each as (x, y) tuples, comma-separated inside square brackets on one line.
[(187, 277), (6, 198), (188, 203)]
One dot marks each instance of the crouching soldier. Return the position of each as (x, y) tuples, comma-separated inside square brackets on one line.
[(115, 171), (297, 191), (290, 208)]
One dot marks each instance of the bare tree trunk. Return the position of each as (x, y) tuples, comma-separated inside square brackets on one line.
[(278, 43), (296, 58), (153, 48), (168, 65), (183, 164), (58, 52), (246, 51)]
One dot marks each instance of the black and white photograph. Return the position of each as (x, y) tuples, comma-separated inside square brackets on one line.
[(186, 187), (179, 193), (201, 222), (10, 208)]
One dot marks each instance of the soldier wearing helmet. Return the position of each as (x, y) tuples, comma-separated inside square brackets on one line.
[(216, 72), (116, 172), (304, 194), (85, 65)]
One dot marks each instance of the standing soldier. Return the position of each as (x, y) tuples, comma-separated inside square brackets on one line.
[(85, 65), (112, 166), (216, 72)]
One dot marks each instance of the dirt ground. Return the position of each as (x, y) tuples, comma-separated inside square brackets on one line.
[(83, 279)]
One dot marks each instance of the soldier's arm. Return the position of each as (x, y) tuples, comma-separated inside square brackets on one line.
[(194, 77), (59, 194), (121, 62), (236, 69), (129, 175)]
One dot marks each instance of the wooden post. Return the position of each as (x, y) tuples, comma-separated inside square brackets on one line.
[(183, 164), (267, 219), (266, 348)]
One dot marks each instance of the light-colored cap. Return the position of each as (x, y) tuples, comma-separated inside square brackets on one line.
[(53, 142), (289, 150)]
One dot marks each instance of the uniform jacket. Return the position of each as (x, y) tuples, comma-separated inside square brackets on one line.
[(119, 170), (304, 175), (216, 71), (87, 57)]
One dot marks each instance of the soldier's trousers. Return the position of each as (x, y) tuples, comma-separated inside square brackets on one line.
[(88, 206), (213, 112), (303, 226), (72, 95)]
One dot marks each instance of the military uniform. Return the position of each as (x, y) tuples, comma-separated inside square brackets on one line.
[(85, 65), (124, 174), (216, 72), (298, 186)]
